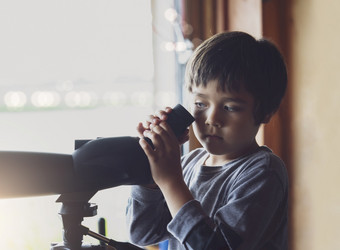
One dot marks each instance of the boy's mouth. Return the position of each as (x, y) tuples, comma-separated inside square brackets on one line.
[(213, 137)]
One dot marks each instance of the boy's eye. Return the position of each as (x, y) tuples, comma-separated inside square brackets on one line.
[(199, 105), (232, 108)]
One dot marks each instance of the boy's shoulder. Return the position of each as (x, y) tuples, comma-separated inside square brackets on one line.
[(269, 160), (264, 162)]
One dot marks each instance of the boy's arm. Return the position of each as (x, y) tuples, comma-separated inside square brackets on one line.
[(147, 216), (166, 171), (147, 208), (166, 167)]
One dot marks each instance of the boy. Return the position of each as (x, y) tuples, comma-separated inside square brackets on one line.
[(232, 193)]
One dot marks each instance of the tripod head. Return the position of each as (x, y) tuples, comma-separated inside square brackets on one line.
[(74, 208)]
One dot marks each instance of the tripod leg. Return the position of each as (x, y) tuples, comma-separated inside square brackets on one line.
[(115, 244), (102, 229)]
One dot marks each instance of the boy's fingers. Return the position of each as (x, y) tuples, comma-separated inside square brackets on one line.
[(152, 120), (168, 132), (157, 136), (140, 129), (146, 147), (161, 131), (168, 109), (184, 137), (161, 115)]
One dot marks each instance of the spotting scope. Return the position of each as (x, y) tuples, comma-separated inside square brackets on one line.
[(94, 165)]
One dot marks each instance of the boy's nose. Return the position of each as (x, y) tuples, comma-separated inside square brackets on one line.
[(213, 118)]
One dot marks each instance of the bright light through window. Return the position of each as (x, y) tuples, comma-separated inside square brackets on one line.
[(74, 69)]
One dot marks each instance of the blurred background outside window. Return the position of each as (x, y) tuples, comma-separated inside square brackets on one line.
[(81, 69)]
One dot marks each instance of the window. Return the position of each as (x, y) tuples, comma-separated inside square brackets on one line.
[(78, 69)]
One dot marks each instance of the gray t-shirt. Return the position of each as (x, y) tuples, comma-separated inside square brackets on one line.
[(242, 204)]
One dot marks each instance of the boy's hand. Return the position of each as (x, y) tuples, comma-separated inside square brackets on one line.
[(165, 157), (155, 120), (152, 121), (165, 165)]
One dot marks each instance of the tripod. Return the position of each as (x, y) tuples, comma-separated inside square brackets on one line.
[(74, 208)]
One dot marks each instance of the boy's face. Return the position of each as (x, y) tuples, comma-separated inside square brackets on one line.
[(225, 124)]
